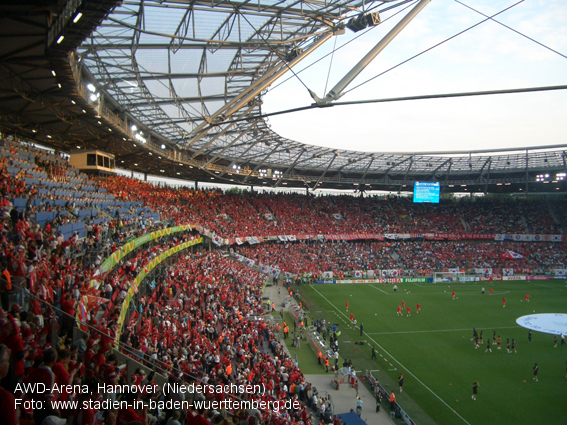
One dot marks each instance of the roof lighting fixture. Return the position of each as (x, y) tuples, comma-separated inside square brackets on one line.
[(134, 128), (163, 146), (54, 74), (91, 88), (60, 39), (542, 177), (77, 17)]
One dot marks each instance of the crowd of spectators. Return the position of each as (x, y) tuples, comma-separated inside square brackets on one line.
[(412, 257), (239, 214)]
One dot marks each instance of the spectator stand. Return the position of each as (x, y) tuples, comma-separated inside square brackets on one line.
[(111, 262), (133, 290)]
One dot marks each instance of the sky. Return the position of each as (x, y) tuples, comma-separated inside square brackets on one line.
[(487, 57)]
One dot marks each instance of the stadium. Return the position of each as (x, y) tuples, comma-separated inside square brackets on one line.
[(159, 231)]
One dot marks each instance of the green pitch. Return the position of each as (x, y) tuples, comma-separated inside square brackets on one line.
[(434, 351)]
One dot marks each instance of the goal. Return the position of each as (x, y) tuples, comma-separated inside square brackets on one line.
[(448, 277)]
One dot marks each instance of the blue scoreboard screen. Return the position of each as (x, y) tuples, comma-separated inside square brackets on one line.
[(426, 192)]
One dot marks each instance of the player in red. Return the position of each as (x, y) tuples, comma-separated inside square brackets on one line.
[(528, 296), (409, 311), (503, 302), (453, 294), (403, 304), (347, 306), (418, 308), (399, 310), (351, 317), (490, 290)]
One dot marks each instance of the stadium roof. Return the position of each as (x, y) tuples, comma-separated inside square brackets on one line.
[(189, 75)]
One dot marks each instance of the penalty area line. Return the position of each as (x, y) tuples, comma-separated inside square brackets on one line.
[(401, 365), (378, 289)]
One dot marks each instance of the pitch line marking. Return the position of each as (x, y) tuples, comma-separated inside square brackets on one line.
[(550, 287), (439, 330), (378, 289), (403, 367)]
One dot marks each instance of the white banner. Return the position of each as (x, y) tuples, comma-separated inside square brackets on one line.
[(327, 275), (358, 273), (483, 270), (513, 277), (252, 240), (282, 238), (560, 272), (508, 272), (239, 241), (370, 273), (291, 238)]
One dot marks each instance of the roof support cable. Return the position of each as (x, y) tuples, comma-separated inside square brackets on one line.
[(330, 65), (352, 40), (512, 29), (434, 46)]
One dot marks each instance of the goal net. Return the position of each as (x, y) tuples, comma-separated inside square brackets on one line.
[(448, 277)]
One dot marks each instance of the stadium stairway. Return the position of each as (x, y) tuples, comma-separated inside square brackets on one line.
[(345, 398)]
